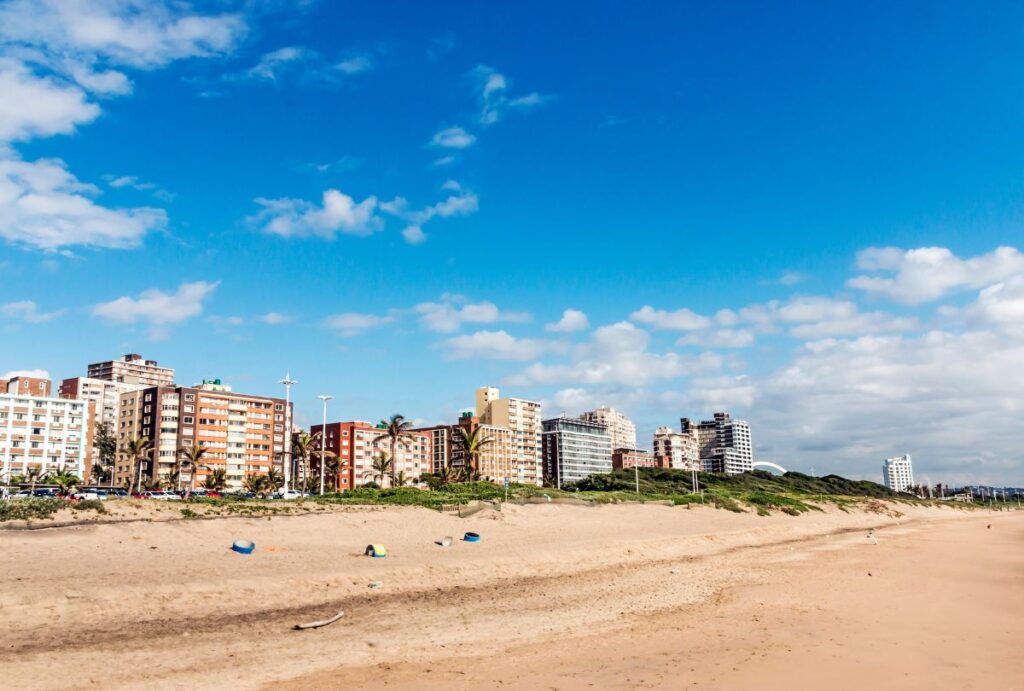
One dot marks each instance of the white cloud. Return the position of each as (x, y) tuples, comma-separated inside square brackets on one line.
[(721, 338), (453, 311), (272, 64), (157, 308), (443, 161), (27, 311), (846, 404), (790, 278), (572, 320), (617, 354), (274, 318), (810, 317), (679, 320), (33, 106), (142, 34), (462, 203), (356, 64), (453, 138), (496, 345), (927, 273), (352, 323), (44, 206), (414, 235), (33, 373), (339, 213), (492, 87)]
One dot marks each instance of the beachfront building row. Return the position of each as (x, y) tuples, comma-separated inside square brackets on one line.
[(575, 448), (356, 444), (40, 433), (243, 434), (719, 445)]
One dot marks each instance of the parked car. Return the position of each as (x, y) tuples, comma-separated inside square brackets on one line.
[(116, 493), (46, 492), (86, 494), (160, 495), (290, 494), (22, 494)]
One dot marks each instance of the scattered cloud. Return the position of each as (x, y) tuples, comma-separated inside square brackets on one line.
[(492, 87), (453, 138), (618, 354), (338, 213), (274, 318), (27, 311), (33, 373), (157, 308), (344, 164), (273, 64), (355, 64), (790, 278), (720, 338), (43, 206), (453, 311), (35, 106), (352, 323), (679, 320), (462, 203), (572, 320), (132, 182), (928, 273), (497, 345)]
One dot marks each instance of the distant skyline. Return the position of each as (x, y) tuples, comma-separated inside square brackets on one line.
[(807, 215)]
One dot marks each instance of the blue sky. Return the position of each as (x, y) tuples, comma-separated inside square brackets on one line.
[(802, 213)]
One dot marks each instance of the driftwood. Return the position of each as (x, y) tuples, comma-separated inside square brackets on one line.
[(318, 624)]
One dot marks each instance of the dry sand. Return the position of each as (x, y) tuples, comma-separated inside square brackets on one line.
[(562, 597)]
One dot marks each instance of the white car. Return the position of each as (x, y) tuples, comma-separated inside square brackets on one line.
[(86, 494), (162, 496), (290, 494)]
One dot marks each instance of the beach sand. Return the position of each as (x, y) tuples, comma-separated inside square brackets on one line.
[(624, 596)]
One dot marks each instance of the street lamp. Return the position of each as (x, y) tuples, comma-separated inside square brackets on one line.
[(323, 441), (287, 381)]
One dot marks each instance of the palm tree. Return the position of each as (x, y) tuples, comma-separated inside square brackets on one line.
[(401, 480), (137, 450), (193, 454), (257, 484), (303, 446), (380, 468), (397, 430), (33, 475), (216, 480), (100, 473), (64, 480), (473, 443), (275, 479), (323, 456), (173, 480)]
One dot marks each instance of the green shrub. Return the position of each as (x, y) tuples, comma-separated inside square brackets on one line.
[(89, 505), (27, 509)]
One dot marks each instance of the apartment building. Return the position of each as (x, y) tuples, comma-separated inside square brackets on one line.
[(244, 434), (621, 429), (132, 369), (678, 450), (574, 449), (898, 473), (105, 399), (724, 445), (44, 433), (523, 417), (623, 459), (23, 385), (356, 443)]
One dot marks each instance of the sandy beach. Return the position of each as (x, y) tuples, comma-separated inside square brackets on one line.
[(624, 596)]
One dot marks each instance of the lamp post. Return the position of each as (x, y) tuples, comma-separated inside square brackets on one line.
[(287, 381), (323, 442)]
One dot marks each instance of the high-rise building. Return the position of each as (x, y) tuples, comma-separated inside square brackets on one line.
[(496, 457), (723, 444), (355, 444), (42, 433), (244, 434), (575, 449), (677, 450), (898, 473), (524, 419), (621, 429), (132, 369), (105, 399)]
